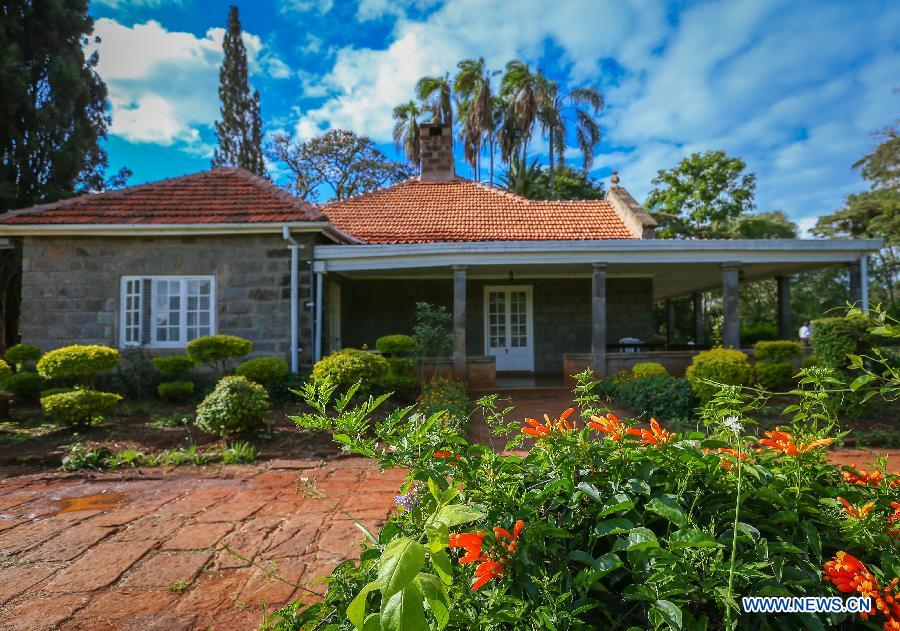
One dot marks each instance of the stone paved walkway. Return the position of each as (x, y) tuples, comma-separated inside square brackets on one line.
[(142, 550)]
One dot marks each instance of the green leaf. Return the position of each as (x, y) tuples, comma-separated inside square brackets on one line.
[(440, 561), (691, 538), (405, 610), (669, 507), (614, 526), (860, 381), (356, 612), (400, 562), (556, 533), (437, 597), (620, 504), (372, 623), (438, 536), (591, 491), (457, 514), (640, 539), (670, 612), (435, 490)]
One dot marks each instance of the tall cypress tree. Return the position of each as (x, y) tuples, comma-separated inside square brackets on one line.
[(239, 129)]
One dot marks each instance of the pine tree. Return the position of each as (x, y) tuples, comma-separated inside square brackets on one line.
[(239, 130)]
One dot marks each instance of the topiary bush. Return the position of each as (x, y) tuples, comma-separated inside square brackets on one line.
[(266, 371), (81, 363), (657, 396), (772, 375), (835, 338), (80, 407), (721, 365), (5, 370), (22, 355), (396, 345), (777, 350), (347, 366), (649, 369), (25, 386), (218, 351), (176, 391), (235, 406), (175, 366)]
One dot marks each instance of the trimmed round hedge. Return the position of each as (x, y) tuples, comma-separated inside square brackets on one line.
[(777, 350), (217, 350), (21, 355), (235, 406), (24, 385), (176, 391), (266, 371), (772, 375), (396, 345), (77, 362), (720, 365), (5, 370), (345, 367), (80, 407), (648, 369), (173, 366)]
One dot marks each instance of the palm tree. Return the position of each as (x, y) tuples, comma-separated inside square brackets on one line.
[(435, 93), (406, 131), (472, 85), (522, 90), (557, 111)]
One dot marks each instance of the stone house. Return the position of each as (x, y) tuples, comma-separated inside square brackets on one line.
[(535, 287)]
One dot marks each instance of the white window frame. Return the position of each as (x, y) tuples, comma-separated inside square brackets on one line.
[(183, 326)]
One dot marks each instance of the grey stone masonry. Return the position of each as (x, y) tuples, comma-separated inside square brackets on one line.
[(437, 152), (71, 286), (562, 312)]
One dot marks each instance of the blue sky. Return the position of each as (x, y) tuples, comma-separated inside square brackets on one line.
[(794, 88)]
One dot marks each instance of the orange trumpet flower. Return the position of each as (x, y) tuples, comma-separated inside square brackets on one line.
[(857, 513), (654, 436), (609, 425), (784, 442), (861, 477)]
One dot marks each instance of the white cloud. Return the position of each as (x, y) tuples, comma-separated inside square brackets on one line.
[(305, 6), (134, 4), (163, 84)]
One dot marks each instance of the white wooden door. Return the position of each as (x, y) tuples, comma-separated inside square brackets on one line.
[(508, 326)]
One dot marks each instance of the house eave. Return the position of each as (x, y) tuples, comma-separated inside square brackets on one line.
[(612, 251)]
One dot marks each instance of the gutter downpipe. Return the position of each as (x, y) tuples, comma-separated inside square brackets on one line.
[(295, 285)]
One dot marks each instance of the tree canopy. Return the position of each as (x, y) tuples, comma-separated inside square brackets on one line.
[(701, 195), (772, 224), (535, 182), (239, 130), (340, 160)]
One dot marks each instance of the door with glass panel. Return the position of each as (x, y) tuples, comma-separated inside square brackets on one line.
[(508, 327)]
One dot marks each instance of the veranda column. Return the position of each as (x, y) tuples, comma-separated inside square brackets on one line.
[(670, 321), (598, 318), (864, 283), (698, 318), (459, 321), (785, 328), (855, 270), (731, 327)]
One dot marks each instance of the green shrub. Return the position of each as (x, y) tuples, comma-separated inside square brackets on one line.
[(771, 375), (21, 355), (445, 394), (648, 369), (345, 367), (405, 387), (51, 391), (218, 351), (835, 338), (810, 361), (174, 366), (401, 365), (79, 362), (266, 371), (753, 333), (658, 396), (24, 385), (5, 370), (778, 350), (434, 330), (235, 405), (239, 452), (79, 407), (396, 345), (721, 365), (176, 391)]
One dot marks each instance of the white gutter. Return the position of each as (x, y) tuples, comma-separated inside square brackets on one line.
[(611, 251), (295, 285)]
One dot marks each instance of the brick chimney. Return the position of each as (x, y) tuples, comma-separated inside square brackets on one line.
[(437, 152)]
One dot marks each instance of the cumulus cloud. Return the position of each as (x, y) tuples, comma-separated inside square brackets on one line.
[(136, 4), (305, 6), (163, 84)]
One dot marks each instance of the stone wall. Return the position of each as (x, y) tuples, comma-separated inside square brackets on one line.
[(71, 286), (562, 312)]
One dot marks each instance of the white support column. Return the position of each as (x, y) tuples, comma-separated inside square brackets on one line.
[(864, 282), (320, 296)]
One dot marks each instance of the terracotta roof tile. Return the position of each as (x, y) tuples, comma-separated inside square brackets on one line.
[(224, 195), (463, 210)]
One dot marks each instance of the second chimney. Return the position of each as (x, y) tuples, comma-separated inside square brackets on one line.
[(437, 152)]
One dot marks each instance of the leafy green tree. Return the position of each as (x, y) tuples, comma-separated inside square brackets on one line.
[(535, 183), (773, 224), (341, 160), (472, 85), (435, 92), (701, 196), (239, 131), (881, 167), (407, 134), (521, 89)]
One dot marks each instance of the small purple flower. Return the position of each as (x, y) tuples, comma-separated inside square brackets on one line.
[(409, 500)]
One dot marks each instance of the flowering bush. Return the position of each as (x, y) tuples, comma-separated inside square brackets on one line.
[(448, 398), (604, 523)]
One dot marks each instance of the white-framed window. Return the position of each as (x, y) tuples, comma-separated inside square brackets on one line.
[(166, 311)]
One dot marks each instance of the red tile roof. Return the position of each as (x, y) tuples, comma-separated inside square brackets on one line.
[(224, 195), (463, 210)]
